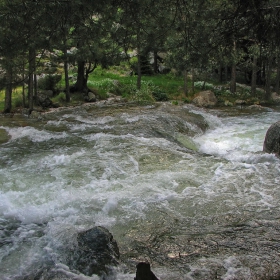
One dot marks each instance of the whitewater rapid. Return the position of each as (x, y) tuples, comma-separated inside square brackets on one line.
[(187, 189)]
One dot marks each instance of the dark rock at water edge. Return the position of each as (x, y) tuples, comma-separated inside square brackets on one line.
[(272, 139), (95, 252), (144, 272)]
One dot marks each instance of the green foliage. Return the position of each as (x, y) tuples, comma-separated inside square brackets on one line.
[(145, 94), (16, 101), (49, 82), (2, 100), (186, 100), (160, 96), (157, 87), (60, 98)]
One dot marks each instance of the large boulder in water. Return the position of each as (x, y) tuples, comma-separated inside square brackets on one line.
[(272, 139), (205, 99), (95, 252)]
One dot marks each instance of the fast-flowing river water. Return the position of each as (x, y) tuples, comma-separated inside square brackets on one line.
[(188, 190)]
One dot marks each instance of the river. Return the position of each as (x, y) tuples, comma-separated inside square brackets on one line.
[(187, 189)]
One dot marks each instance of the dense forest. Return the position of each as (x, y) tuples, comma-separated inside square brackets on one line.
[(222, 36)]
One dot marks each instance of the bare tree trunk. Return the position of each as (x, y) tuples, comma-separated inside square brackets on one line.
[(233, 71), (139, 74), (31, 60), (23, 86), (226, 73), (220, 73), (67, 87), (277, 86), (254, 76), (155, 63), (193, 80), (8, 90), (186, 82), (268, 79), (81, 81), (35, 87), (233, 79)]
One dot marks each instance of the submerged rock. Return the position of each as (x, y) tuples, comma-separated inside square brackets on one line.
[(4, 136), (95, 252), (272, 139)]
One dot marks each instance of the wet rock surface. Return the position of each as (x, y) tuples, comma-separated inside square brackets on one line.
[(95, 252), (272, 139), (144, 272)]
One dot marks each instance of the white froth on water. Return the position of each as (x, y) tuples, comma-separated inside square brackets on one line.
[(120, 179), (235, 269), (34, 134), (235, 138)]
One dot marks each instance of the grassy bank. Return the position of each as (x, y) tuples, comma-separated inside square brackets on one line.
[(161, 87), (103, 82)]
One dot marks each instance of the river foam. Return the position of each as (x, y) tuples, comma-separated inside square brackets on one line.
[(189, 213)]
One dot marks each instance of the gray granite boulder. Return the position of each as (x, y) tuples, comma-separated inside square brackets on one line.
[(272, 139)]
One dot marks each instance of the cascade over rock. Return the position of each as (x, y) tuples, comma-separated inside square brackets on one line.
[(272, 139)]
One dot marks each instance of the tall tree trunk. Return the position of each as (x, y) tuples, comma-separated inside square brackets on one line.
[(23, 86), (193, 80), (8, 90), (254, 76), (155, 63), (268, 79), (66, 74), (81, 81), (220, 73), (233, 71), (186, 82), (277, 86), (139, 73), (31, 60), (35, 87), (233, 79), (226, 73)]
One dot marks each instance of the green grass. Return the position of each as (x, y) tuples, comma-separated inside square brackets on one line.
[(103, 81), (116, 80), (16, 98), (2, 100)]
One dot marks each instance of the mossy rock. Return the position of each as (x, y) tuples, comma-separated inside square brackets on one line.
[(4, 136)]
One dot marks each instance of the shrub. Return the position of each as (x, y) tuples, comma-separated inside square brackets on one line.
[(145, 94), (49, 82), (160, 96), (106, 85)]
